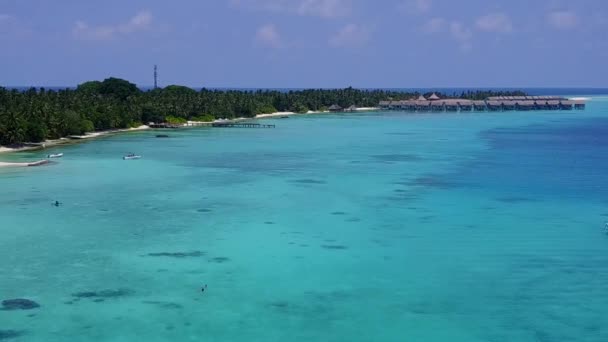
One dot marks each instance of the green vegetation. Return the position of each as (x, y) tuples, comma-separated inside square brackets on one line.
[(175, 120), (204, 118), (38, 114)]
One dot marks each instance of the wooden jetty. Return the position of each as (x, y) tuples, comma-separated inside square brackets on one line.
[(218, 124), (163, 125), (240, 125)]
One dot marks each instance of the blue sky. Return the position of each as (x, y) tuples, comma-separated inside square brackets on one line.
[(307, 43)]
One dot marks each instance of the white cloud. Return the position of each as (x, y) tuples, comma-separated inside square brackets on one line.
[(140, 22), (494, 22), (13, 28), (323, 8), (423, 6), (563, 20), (351, 35), (268, 35), (460, 32), (415, 6), (434, 25), (462, 35), (316, 8)]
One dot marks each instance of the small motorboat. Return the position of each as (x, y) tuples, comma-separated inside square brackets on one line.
[(162, 136), (131, 156), (56, 155)]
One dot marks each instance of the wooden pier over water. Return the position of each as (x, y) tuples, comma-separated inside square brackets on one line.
[(240, 125), (218, 124)]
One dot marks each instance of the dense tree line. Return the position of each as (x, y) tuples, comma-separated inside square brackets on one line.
[(38, 114)]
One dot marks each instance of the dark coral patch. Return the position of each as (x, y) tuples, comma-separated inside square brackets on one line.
[(308, 181), (9, 334), (280, 305), (193, 254), (334, 247), (19, 304), (515, 199), (388, 158), (104, 294), (219, 260), (164, 305), (431, 182)]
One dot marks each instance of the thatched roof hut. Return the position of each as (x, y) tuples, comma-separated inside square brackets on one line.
[(434, 97), (335, 108)]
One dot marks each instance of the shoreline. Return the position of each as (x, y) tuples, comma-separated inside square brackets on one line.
[(65, 141), (279, 114), (24, 164), (73, 139)]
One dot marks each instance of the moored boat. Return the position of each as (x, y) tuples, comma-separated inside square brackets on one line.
[(131, 156), (56, 155)]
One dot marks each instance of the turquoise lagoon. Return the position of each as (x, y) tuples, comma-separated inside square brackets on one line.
[(355, 227)]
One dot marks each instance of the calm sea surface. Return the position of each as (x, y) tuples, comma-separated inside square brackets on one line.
[(354, 227)]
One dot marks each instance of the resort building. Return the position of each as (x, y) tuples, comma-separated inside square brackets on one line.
[(495, 103), (335, 108)]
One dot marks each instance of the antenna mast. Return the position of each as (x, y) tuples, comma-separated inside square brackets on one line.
[(155, 76)]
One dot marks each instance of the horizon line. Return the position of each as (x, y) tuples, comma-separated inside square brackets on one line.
[(339, 87)]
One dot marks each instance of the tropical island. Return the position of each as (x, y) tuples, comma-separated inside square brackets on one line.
[(37, 114)]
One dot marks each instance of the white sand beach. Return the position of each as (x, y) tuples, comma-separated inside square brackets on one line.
[(74, 138), (279, 114), (36, 163)]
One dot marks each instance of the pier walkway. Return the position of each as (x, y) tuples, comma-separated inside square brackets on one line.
[(240, 125), (217, 124)]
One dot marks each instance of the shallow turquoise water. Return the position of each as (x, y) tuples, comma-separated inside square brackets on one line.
[(359, 227)]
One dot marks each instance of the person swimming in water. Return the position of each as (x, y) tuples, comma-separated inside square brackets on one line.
[(203, 288), (57, 203)]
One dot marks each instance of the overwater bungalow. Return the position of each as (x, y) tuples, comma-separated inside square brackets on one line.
[(335, 108), (494, 106), (496, 103), (437, 106), (394, 105), (566, 105), (434, 97), (351, 109), (423, 106), (524, 105), (541, 104), (465, 105), (479, 106), (509, 104), (451, 105), (410, 105), (553, 104)]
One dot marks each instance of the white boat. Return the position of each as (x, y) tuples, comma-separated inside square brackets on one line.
[(131, 156), (57, 155)]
